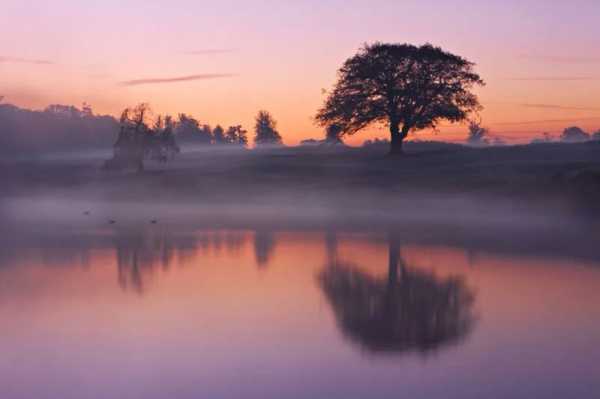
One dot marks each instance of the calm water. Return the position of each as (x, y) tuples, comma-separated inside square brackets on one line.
[(151, 313)]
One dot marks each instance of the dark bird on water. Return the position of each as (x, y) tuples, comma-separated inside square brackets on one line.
[(87, 213), (154, 221), (111, 221)]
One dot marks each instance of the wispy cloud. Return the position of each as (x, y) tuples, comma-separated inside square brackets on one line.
[(558, 107), (210, 51), (562, 59), (555, 78), (17, 60), (536, 122), (206, 76)]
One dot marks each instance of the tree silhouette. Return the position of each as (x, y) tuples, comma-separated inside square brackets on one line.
[(478, 135), (236, 135), (264, 244), (137, 141), (407, 87), (189, 130), (265, 130), (139, 252), (574, 134), (219, 135), (409, 310)]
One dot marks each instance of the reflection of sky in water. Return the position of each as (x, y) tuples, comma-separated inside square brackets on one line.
[(224, 314)]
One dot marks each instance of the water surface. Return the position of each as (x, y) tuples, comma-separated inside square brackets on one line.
[(256, 313)]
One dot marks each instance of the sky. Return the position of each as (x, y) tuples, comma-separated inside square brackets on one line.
[(223, 61)]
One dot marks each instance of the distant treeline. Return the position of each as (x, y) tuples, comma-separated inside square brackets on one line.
[(571, 134), (58, 128), (65, 128)]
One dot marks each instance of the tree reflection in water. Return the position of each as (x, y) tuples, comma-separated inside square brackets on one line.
[(139, 252), (264, 244), (410, 310)]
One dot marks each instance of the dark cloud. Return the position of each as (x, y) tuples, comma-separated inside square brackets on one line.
[(206, 76), (558, 107), (17, 60), (210, 51)]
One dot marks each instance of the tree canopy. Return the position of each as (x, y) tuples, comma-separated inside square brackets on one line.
[(407, 87)]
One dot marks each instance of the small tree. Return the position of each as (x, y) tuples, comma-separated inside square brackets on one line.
[(596, 136), (409, 88), (219, 135), (574, 134), (478, 135), (137, 141), (236, 135), (265, 130)]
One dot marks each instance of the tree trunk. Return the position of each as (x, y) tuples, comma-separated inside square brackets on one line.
[(397, 139)]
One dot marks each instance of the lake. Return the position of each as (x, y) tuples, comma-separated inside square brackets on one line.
[(156, 312)]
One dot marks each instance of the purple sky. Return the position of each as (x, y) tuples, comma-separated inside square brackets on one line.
[(223, 61)]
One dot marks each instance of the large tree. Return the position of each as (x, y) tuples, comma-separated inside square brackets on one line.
[(407, 87)]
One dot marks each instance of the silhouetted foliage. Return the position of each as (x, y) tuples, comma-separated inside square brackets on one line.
[(376, 142), (138, 141), (58, 128), (332, 137), (219, 135), (596, 136), (407, 87), (265, 130), (478, 135), (236, 135), (409, 310), (188, 130), (546, 138), (574, 134)]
